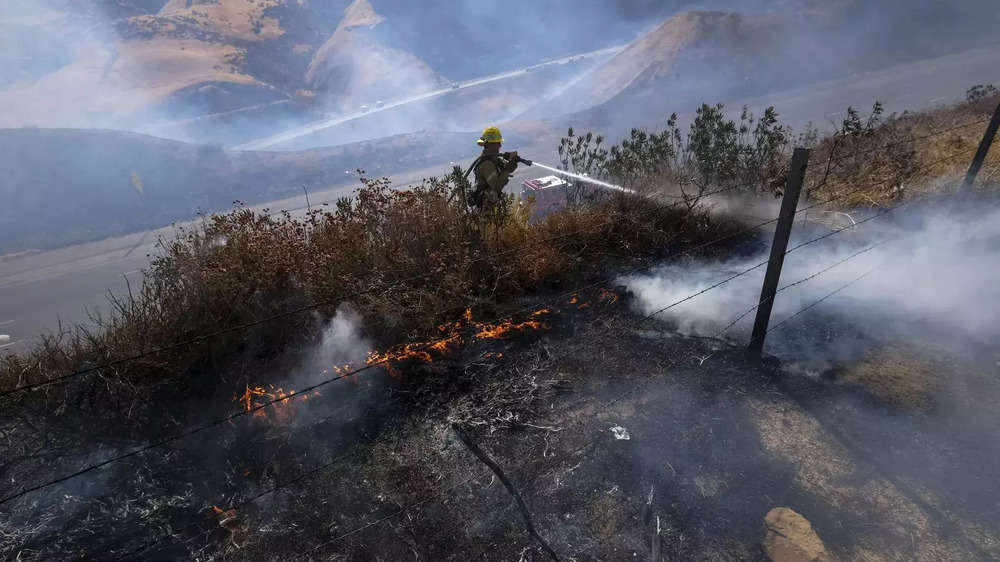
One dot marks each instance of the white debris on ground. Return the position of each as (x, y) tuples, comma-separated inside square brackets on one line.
[(620, 433)]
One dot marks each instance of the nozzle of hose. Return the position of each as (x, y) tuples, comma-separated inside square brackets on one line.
[(524, 161)]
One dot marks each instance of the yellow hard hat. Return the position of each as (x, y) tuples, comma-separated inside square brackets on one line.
[(490, 134)]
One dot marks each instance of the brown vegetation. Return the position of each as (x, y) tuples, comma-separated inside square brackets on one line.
[(879, 161), (407, 260)]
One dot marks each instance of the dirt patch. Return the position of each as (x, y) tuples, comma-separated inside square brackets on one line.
[(897, 375), (242, 20)]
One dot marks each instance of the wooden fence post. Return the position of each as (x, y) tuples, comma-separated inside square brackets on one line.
[(789, 203), (984, 149)]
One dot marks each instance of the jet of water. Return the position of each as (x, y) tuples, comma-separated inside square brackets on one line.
[(582, 178)]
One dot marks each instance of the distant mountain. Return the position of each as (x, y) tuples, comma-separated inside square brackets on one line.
[(715, 46), (129, 63), (706, 56)]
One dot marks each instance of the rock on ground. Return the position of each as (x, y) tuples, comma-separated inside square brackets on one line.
[(789, 537)]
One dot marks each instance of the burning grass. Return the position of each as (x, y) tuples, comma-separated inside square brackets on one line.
[(254, 398), (425, 352)]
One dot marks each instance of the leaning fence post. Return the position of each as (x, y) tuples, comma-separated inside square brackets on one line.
[(984, 149), (789, 203)]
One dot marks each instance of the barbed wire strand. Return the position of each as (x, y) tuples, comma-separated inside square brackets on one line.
[(824, 298)]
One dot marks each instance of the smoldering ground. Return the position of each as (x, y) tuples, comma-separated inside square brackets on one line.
[(124, 507)]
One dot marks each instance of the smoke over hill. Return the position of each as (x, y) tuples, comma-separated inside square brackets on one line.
[(127, 64), (772, 46)]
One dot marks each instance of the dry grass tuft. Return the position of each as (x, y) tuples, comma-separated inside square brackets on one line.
[(878, 161)]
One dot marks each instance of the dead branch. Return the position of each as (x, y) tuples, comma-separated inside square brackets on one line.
[(475, 450)]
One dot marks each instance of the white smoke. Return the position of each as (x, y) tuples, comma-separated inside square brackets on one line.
[(342, 342), (937, 268)]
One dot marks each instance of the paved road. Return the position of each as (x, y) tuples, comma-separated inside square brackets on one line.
[(340, 119), (37, 290)]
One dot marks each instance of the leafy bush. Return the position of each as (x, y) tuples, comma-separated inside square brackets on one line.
[(980, 92), (715, 153)]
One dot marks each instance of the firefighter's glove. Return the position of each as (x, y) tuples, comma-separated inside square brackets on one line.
[(511, 158)]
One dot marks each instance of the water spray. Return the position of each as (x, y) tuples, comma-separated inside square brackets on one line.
[(579, 177)]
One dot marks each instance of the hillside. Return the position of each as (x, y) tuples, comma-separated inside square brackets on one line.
[(126, 63), (687, 43), (716, 55), (134, 64), (352, 69), (55, 192)]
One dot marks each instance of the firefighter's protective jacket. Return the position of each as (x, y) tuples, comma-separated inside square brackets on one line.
[(492, 175)]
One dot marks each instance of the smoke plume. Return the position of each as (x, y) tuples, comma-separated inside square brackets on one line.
[(933, 277)]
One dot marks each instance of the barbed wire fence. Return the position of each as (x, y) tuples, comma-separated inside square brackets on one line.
[(685, 357), (506, 317)]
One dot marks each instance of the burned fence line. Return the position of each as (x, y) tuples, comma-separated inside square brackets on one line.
[(786, 220), (305, 391)]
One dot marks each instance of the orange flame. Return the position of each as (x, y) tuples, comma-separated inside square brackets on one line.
[(256, 396), (224, 513), (506, 328), (411, 351), (607, 296), (425, 352)]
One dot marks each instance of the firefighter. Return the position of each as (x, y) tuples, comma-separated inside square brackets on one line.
[(493, 170)]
